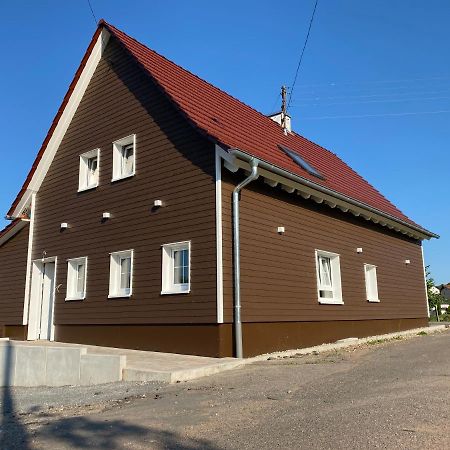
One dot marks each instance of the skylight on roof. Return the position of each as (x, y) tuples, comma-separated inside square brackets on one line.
[(301, 162)]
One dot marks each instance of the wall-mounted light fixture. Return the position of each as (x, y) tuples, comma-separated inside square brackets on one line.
[(281, 230), (64, 225), (359, 250), (106, 215), (407, 261), (158, 203)]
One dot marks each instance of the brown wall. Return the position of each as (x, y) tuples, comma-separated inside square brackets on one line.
[(173, 163), (13, 254), (216, 340), (278, 273)]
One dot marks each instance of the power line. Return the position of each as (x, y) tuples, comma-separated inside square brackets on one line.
[(320, 98), (302, 53), (92, 12), (361, 102), (378, 115), (353, 83)]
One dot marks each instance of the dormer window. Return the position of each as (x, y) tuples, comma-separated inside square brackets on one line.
[(89, 168), (124, 157)]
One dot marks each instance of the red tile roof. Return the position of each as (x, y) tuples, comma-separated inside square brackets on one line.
[(234, 124), (237, 125)]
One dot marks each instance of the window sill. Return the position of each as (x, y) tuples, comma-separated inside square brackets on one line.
[(88, 188), (374, 300), (73, 299), (330, 302), (119, 295), (175, 291), (122, 178)]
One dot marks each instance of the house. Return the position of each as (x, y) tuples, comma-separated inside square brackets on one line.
[(163, 214), (444, 290)]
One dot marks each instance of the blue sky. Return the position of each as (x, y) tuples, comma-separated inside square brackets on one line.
[(374, 85)]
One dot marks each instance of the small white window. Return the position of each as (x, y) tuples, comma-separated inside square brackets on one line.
[(124, 157), (76, 279), (328, 277), (121, 274), (89, 168), (176, 268), (370, 272)]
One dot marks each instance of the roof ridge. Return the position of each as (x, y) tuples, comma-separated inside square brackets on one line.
[(197, 76)]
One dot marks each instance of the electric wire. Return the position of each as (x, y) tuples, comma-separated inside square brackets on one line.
[(92, 12), (301, 54), (359, 116)]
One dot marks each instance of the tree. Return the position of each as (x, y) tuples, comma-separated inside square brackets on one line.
[(435, 300)]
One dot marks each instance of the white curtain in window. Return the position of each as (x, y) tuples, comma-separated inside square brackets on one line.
[(125, 274), (127, 159), (81, 273), (92, 171), (325, 272)]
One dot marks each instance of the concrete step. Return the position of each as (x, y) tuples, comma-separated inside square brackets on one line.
[(131, 373)]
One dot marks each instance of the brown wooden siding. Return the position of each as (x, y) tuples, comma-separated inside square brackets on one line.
[(278, 272), (173, 163), (13, 254)]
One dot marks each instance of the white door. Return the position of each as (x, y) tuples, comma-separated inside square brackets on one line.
[(47, 301), (42, 300)]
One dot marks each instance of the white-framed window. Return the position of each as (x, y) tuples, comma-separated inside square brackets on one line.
[(328, 270), (370, 273), (89, 170), (76, 278), (176, 268), (124, 157), (121, 274)]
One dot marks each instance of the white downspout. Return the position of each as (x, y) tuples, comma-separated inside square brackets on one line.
[(236, 257)]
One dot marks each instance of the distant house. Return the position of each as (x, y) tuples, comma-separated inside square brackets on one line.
[(444, 290), (163, 214)]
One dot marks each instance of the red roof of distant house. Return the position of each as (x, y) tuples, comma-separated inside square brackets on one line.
[(236, 125)]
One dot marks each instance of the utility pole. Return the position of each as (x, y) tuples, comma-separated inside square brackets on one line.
[(283, 107)]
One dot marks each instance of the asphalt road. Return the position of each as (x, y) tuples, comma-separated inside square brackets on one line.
[(393, 395)]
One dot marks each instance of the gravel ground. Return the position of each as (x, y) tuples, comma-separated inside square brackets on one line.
[(45, 399), (389, 395)]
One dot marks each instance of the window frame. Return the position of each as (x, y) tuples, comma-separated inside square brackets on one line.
[(367, 280), (71, 294), (168, 286), (335, 265), (83, 168), (118, 146), (115, 274)]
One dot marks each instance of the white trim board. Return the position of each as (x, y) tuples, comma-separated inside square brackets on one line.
[(26, 300), (219, 244), (64, 121)]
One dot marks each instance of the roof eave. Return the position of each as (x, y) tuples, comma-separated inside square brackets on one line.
[(12, 229), (331, 197)]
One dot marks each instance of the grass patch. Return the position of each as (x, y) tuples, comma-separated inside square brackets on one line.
[(376, 341), (422, 333)]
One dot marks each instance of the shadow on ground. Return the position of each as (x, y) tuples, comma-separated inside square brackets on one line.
[(83, 432)]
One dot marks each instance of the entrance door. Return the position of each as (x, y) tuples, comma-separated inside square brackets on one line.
[(47, 301), (42, 300)]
